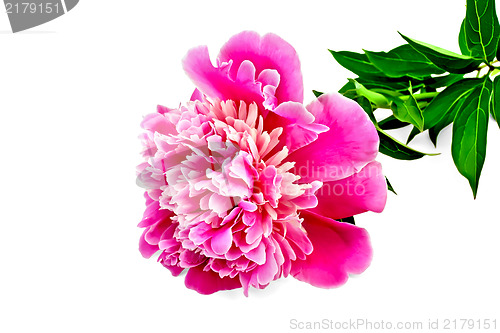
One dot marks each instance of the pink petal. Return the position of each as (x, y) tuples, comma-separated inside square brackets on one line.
[(308, 199), (246, 72), (156, 122), (175, 270), (361, 192), (257, 255), (150, 214), (339, 249), (268, 271), (146, 249), (350, 144), (299, 241), (154, 232), (215, 82), (267, 52), (222, 241), (208, 282), (196, 96)]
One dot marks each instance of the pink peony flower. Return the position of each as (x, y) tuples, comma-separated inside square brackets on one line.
[(243, 183)]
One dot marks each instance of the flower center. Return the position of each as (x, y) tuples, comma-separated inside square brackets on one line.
[(223, 165)]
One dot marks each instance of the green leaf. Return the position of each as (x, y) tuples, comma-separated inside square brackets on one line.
[(414, 132), (444, 103), (379, 100), (468, 146), (495, 100), (349, 220), (442, 81), (402, 61), (482, 29), (357, 63), (317, 93), (498, 52), (395, 149), (447, 60), (408, 111), (462, 41), (349, 90), (391, 122), (389, 186), (446, 120)]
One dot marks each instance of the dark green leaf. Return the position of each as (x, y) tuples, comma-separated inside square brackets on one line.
[(498, 52), (396, 84), (468, 146), (367, 106), (446, 120), (444, 103), (389, 186), (357, 63), (317, 93), (447, 60), (442, 81), (393, 148), (482, 29), (402, 61), (495, 100), (414, 132), (349, 220), (462, 41), (433, 134), (391, 122)]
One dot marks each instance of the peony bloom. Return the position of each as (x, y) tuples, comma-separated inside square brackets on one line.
[(244, 183)]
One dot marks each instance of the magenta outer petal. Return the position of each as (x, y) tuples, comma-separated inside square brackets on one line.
[(350, 144), (209, 282), (361, 192), (215, 82), (267, 52), (146, 249), (339, 249), (174, 270)]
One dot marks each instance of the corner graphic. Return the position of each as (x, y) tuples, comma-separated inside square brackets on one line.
[(26, 14)]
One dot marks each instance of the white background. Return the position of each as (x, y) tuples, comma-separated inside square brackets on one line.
[(72, 95)]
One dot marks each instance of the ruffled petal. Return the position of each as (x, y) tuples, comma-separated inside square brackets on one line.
[(156, 122), (215, 81), (299, 126), (350, 144), (209, 282), (339, 249), (361, 192), (267, 52)]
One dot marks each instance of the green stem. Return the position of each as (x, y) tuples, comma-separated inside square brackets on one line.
[(421, 96), (491, 65)]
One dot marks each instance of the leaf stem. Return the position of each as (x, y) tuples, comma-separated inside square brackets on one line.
[(491, 66), (421, 96), (423, 104)]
